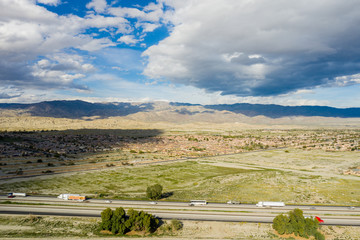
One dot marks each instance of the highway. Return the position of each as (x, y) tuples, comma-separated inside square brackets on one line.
[(332, 215)]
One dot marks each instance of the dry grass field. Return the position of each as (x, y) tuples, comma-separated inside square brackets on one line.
[(297, 164), (65, 228), (295, 176)]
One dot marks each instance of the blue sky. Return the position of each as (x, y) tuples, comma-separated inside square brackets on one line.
[(198, 51)]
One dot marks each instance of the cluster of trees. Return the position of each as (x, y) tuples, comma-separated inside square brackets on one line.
[(119, 223), (296, 223), (154, 192)]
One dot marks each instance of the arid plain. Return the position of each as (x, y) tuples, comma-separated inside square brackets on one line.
[(227, 157)]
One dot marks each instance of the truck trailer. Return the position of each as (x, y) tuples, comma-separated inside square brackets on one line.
[(11, 195), (197, 202), (69, 196), (270, 204)]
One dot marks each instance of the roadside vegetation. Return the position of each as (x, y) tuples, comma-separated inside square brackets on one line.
[(117, 222), (296, 224), (46, 227), (32, 226), (154, 192), (112, 222), (247, 177)]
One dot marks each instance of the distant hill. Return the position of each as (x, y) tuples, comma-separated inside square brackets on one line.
[(278, 111), (77, 109), (81, 109)]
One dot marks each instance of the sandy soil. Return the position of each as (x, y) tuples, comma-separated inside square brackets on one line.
[(314, 162), (222, 230), (13, 228)]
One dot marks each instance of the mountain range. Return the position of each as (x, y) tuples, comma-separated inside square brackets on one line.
[(80, 109)]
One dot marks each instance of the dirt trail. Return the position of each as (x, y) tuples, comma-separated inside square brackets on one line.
[(252, 167)]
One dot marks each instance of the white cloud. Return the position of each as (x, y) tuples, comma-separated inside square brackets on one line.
[(148, 19), (10, 92), (50, 2), (126, 12), (31, 30), (98, 5), (24, 11), (99, 21), (97, 44), (28, 31), (66, 62), (347, 80), (128, 39), (61, 70), (136, 91), (148, 27), (257, 47)]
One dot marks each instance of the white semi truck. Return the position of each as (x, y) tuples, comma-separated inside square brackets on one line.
[(197, 202), (14, 194), (270, 204), (70, 196)]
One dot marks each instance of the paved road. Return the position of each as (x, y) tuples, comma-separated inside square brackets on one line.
[(332, 215)]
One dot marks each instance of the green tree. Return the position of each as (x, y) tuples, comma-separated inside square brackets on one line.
[(311, 226), (154, 192), (280, 224), (296, 223), (106, 222), (150, 223), (141, 221), (118, 221)]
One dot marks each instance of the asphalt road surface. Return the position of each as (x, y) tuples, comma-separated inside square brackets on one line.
[(332, 215)]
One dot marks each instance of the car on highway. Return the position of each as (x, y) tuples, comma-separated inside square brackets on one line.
[(319, 219), (232, 202), (153, 203), (108, 201)]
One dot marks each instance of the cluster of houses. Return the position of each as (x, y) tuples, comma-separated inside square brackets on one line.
[(353, 171), (17, 144), (47, 145)]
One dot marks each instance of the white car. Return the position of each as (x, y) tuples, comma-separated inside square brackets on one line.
[(107, 201), (153, 203)]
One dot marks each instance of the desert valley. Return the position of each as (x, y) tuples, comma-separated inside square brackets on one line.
[(219, 156)]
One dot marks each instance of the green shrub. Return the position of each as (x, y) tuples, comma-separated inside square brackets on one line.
[(176, 225), (319, 236), (296, 223), (280, 224), (118, 223), (154, 192)]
